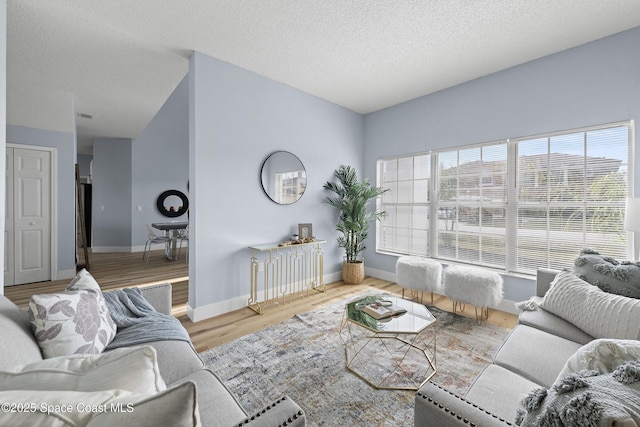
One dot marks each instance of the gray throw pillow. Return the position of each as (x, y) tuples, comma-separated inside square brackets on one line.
[(586, 398), (609, 274)]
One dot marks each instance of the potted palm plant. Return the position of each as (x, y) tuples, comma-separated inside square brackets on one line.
[(351, 197)]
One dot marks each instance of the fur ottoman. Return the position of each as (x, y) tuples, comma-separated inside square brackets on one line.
[(473, 285), (418, 274)]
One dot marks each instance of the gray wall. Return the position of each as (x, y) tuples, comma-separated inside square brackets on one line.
[(592, 84), (84, 164), (236, 118), (111, 207), (3, 117), (65, 146), (160, 158)]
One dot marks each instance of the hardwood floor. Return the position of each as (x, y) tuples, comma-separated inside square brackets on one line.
[(119, 270)]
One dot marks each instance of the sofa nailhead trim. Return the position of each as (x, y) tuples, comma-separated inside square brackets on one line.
[(459, 417)]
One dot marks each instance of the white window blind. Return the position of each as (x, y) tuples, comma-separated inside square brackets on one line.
[(405, 229), (472, 199), (517, 205), (571, 193)]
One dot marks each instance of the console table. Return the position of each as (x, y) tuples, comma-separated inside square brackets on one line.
[(281, 272)]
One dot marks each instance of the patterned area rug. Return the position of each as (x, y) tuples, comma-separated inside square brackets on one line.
[(304, 358)]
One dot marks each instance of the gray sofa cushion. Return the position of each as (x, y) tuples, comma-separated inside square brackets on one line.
[(216, 404), (17, 345), (549, 322), (176, 359), (534, 354), (497, 390)]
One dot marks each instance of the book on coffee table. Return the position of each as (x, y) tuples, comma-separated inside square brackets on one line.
[(382, 310)]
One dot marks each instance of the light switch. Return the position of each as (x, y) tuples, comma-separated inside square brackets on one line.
[(139, 208)]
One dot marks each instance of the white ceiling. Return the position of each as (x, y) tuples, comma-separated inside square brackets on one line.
[(119, 60)]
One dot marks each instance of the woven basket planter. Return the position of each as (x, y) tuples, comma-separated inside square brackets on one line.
[(353, 272)]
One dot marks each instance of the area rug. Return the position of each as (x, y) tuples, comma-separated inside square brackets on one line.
[(304, 358)]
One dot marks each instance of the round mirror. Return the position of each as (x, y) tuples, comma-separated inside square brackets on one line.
[(283, 177), (172, 203)]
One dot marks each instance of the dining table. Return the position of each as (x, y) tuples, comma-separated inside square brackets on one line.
[(171, 230)]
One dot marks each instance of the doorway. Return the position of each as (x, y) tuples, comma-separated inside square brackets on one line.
[(28, 217)]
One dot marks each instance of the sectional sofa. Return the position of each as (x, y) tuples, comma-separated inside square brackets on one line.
[(572, 333), (162, 382)]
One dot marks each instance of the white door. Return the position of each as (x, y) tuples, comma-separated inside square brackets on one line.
[(30, 216)]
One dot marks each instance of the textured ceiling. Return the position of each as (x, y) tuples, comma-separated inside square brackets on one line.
[(119, 60)]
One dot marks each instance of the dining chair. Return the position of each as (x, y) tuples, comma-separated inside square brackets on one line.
[(152, 238), (183, 236)]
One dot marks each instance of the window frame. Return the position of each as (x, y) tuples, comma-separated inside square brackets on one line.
[(512, 205)]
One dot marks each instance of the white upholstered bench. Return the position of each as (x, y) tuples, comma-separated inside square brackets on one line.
[(418, 274), (472, 285)]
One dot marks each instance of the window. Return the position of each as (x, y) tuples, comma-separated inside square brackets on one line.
[(517, 205), (472, 198), (289, 186), (405, 229)]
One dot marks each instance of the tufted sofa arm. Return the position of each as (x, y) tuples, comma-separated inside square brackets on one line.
[(437, 406), (283, 412)]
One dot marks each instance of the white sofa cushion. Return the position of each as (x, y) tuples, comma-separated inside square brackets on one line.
[(598, 313), (176, 406), (42, 408), (134, 369)]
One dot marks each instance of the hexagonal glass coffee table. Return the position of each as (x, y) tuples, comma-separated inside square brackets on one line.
[(392, 353)]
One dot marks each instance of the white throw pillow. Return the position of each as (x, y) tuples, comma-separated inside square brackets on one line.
[(603, 355), (38, 408), (134, 369), (176, 406), (76, 321), (598, 313)]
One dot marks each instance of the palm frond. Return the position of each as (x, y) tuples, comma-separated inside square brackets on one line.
[(351, 197)]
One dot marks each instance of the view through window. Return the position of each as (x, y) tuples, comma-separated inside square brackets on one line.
[(516, 205)]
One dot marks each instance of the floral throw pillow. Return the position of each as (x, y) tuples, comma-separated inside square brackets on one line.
[(72, 322), (85, 281)]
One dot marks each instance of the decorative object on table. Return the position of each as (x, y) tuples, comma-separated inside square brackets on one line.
[(304, 357), (383, 309), (172, 203), (351, 197), (305, 233), (283, 178)]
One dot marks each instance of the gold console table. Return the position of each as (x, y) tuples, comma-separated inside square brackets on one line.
[(284, 272)]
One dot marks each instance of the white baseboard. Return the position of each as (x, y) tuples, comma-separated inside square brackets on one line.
[(102, 249), (380, 274), (128, 249), (216, 309)]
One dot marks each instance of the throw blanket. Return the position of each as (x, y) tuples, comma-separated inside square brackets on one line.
[(138, 322)]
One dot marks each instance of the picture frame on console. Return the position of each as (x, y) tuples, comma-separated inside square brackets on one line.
[(305, 231)]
